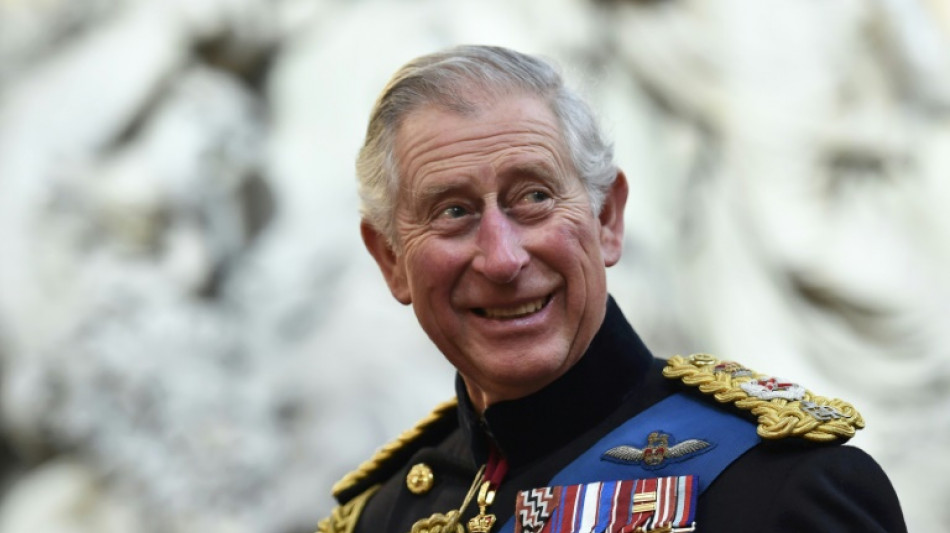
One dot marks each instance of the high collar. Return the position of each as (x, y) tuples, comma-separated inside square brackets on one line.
[(530, 427)]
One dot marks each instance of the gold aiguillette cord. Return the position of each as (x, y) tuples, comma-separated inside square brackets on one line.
[(449, 522)]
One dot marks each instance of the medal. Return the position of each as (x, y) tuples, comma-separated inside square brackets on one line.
[(484, 521), (449, 522), (495, 470), (486, 484)]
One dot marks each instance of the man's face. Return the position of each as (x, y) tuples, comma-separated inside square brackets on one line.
[(498, 249)]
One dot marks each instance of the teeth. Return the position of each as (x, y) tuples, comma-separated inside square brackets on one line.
[(515, 312)]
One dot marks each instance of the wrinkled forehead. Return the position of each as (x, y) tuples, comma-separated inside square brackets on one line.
[(492, 126)]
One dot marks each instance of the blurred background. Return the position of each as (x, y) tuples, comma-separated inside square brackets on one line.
[(192, 337)]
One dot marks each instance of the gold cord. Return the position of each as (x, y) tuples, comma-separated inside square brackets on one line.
[(387, 451), (343, 518), (451, 521), (809, 416)]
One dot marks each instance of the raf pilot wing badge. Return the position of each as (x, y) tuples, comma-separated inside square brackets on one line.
[(657, 451)]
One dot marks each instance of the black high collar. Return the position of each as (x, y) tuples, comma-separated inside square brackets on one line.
[(529, 428)]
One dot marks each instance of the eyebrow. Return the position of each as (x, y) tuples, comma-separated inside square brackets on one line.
[(430, 193), (440, 188), (535, 169)]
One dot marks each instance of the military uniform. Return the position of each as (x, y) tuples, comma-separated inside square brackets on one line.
[(787, 482)]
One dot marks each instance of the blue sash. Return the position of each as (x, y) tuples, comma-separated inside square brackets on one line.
[(681, 417)]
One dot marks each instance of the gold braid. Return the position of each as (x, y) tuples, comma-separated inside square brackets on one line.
[(778, 418), (439, 523), (367, 467), (343, 518), (449, 522)]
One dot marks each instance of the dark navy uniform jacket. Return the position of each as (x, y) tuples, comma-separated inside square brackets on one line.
[(788, 485)]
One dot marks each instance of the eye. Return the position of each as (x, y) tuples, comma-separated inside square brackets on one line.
[(531, 204), (535, 197), (453, 211)]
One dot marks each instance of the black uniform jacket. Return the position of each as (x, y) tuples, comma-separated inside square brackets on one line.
[(788, 485)]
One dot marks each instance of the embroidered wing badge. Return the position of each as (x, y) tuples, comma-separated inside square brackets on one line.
[(784, 409), (656, 452)]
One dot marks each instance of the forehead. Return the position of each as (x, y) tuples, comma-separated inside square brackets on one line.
[(510, 128)]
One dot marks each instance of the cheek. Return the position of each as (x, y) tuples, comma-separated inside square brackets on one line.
[(434, 267), (577, 244), (578, 258)]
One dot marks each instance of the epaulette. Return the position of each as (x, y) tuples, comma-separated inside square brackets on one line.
[(784, 409), (391, 457)]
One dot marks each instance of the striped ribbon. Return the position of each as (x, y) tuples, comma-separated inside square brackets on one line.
[(655, 504)]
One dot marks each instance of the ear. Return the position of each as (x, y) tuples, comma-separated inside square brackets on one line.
[(390, 264), (611, 220)]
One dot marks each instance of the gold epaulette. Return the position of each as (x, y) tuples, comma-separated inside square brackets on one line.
[(784, 409), (390, 453)]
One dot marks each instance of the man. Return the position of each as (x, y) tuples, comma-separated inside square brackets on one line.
[(492, 205)]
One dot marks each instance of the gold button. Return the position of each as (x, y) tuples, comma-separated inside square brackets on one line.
[(703, 359), (420, 479)]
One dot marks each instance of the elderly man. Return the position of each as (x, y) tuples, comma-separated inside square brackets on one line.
[(492, 205)]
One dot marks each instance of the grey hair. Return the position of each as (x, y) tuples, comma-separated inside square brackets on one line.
[(448, 79)]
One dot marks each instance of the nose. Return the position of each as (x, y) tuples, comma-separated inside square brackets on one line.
[(501, 255)]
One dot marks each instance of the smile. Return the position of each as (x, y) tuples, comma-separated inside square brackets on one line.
[(519, 311)]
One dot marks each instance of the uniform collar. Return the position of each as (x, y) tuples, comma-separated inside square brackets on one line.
[(529, 428)]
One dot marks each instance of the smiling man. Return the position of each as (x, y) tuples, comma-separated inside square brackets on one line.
[(492, 205), (496, 243)]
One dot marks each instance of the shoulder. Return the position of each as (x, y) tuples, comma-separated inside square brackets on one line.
[(782, 409), (789, 486), (393, 456), (800, 477)]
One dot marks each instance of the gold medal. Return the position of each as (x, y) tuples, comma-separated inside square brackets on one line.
[(484, 521), (486, 481)]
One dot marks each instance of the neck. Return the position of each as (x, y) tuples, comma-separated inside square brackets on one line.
[(522, 428)]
